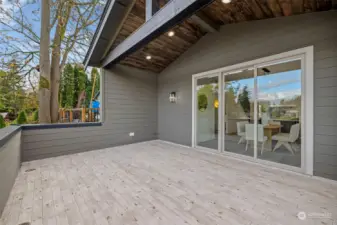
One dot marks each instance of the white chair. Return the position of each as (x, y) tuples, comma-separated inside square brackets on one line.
[(241, 130), (287, 139), (260, 135), (265, 119)]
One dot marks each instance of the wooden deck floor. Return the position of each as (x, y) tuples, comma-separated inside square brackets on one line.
[(160, 183)]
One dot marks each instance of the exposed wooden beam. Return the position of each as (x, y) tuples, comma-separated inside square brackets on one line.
[(151, 7), (171, 14), (127, 10), (286, 7), (205, 23), (298, 6), (275, 8), (114, 14)]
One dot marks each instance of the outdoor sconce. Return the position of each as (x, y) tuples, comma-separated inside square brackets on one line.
[(173, 97)]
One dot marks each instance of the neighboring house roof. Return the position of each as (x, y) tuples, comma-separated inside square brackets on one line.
[(126, 38)]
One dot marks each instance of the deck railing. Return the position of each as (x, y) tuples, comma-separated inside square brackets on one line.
[(77, 115)]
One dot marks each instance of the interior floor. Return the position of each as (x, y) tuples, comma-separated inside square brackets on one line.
[(281, 155)]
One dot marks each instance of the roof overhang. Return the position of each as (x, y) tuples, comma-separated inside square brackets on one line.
[(113, 16), (125, 36), (171, 14)]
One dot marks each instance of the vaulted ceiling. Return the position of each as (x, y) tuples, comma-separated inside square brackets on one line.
[(164, 49)]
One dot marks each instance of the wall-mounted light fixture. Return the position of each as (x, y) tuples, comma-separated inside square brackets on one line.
[(173, 97)]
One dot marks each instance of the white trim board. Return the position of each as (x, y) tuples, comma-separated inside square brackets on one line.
[(306, 55)]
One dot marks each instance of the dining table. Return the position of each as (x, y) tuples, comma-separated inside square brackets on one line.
[(269, 131)]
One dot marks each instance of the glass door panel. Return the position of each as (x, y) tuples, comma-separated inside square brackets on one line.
[(279, 112), (207, 112), (239, 112)]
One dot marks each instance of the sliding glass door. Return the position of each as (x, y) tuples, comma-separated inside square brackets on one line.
[(261, 110), (279, 103), (239, 111), (207, 114)]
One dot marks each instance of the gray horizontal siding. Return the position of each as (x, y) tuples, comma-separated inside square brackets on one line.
[(9, 165), (248, 41), (130, 105)]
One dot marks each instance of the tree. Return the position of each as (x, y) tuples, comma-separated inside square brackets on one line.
[(2, 122), (22, 118), (80, 79), (30, 101), (244, 97), (68, 87), (95, 80), (74, 87), (203, 94), (11, 89), (202, 102), (44, 83), (65, 31), (93, 83), (36, 116), (88, 92)]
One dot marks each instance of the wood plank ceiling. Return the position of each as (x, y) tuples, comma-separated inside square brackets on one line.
[(164, 49)]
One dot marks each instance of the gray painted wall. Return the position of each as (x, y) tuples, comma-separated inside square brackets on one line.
[(130, 97), (9, 164), (251, 40)]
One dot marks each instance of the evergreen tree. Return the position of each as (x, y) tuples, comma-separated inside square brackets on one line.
[(68, 87), (88, 90), (90, 84), (22, 118), (2, 122), (73, 83), (12, 94), (98, 78), (36, 116), (80, 79), (244, 100)]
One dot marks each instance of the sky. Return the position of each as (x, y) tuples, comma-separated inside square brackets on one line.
[(31, 12), (274, 87)]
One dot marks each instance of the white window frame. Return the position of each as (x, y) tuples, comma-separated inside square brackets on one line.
[(307, 123)]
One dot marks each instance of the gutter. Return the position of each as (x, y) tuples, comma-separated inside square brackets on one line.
[(94, 40)]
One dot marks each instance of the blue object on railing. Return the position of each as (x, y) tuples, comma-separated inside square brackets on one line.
[(95, 105)]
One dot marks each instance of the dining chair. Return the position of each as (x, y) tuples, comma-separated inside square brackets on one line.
[(260, 135), (241, 130), (287, 139), (265, 119)]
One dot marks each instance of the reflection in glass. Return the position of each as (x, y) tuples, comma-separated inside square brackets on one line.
[(279, 112), (239, 112), (207, 112)]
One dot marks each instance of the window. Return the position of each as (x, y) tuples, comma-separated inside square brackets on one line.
[(264, 110)]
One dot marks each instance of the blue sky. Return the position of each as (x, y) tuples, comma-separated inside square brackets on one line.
[(274, 87), (31, 13)]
